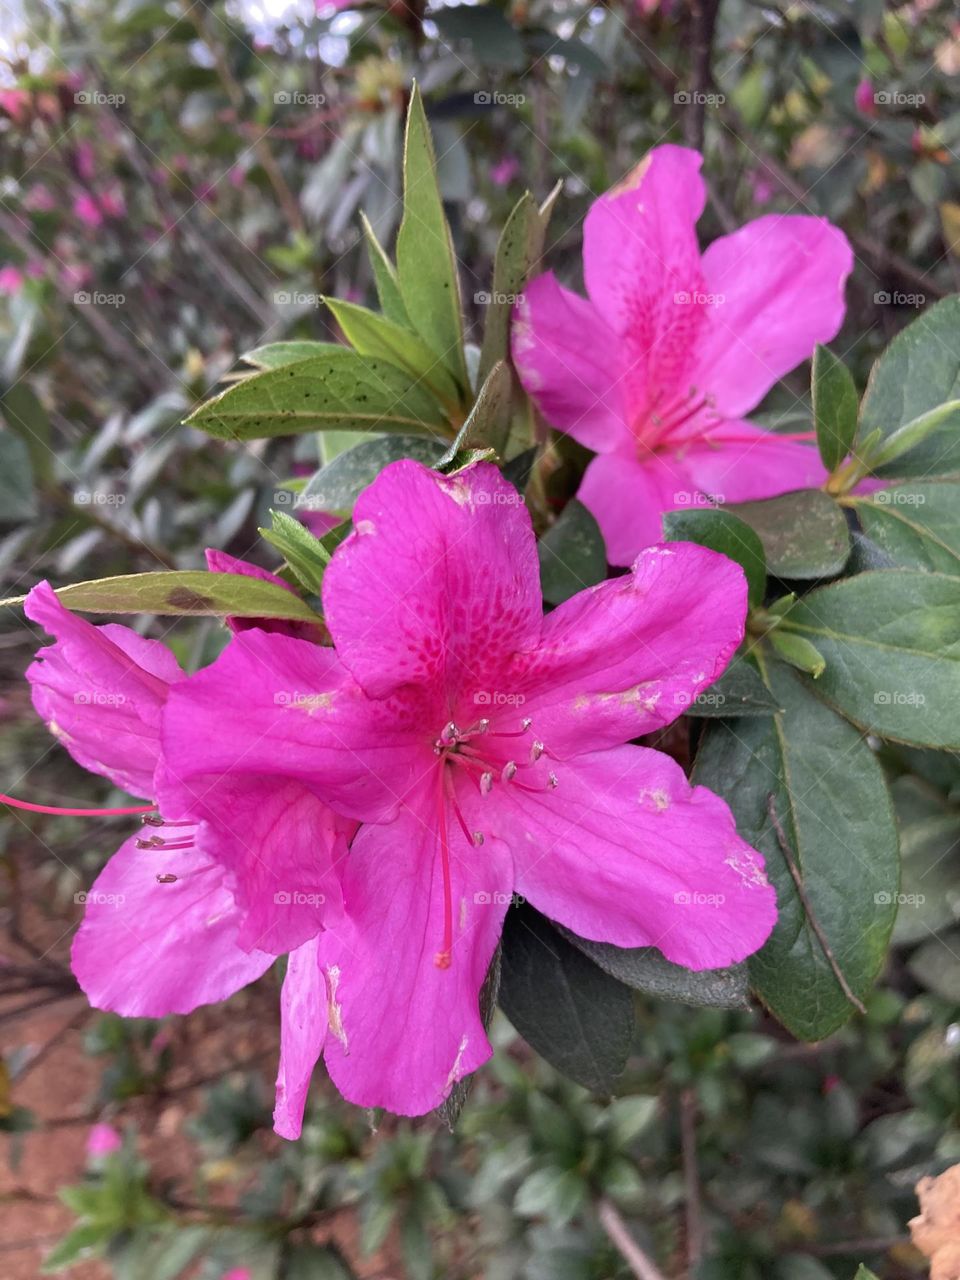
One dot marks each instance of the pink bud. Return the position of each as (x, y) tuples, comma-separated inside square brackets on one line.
[(103, 1140)]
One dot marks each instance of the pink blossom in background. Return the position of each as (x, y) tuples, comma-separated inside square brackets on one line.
[(864, 99), (85, 160), (484, 749), (75, 275), (504, 171), (87, 209), (657, 367), (103, 1140), (237, 177), (238, 1273), (16, 103), (11, 281), (112, 203), (762, 188), (40, 199)]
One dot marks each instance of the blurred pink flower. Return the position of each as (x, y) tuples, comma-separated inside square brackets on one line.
[(762, 188), (15, 102), (103, 1140), (40, 199), (112, 203), (238, 1273), (87, 210), (864, 99), (74, 275), (11, 280), (504, 171), (237, 177), (85, 159)]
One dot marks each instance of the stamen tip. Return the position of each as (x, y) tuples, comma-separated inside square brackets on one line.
[(442, 959)]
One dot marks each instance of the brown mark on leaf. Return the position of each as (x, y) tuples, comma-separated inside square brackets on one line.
[(188, 600)]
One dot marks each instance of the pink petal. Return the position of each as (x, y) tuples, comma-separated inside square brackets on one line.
[(303, 1028), (403, 1031), (568, 362), (438, 582), (103, 1140), (781, 280), (223, 562), (641, 264), (743, 463), (627, 656), (272, 706), (147, 949), (101, 690), (628, 497), (625, 851), (283, 848)]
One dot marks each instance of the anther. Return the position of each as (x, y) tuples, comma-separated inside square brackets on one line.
[(151, 820), (536, 751), (509, 770), (166, 879), (486, 783), (552, 780), (152, 842)]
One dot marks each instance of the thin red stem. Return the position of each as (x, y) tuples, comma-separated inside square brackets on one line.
[(75, 813)]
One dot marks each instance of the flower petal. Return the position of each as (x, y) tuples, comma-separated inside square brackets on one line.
[(781, 280), (627, 656), (625, 851), (272, 706), (100, 690), (743, 463), (628, 497), (403, 1029), (303, 1029), (147, 949), (223, 562), (567, 359), (437, 583)]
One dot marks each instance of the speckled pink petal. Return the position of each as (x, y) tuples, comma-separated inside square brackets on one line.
[(743, 463), (303, 1029)]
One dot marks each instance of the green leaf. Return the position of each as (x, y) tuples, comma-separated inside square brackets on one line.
[(86, 1241), (804, 534), (799, 652), (518, 252), (385, 277), (340, 391), (721, 531), (565, 1007), (181, 593), (572, 554), (303, 551), (27, 418), (917, 523), (891, 642), (315, 1262), (832, 802), (919, 371), (936, 966), (929, 898), (738, 692), (17, 498), (494, 41), (336, 486), (371, 334), (835, 404), (278, 354), (488, 423), (552, 1193), (912, 434), (864, 1273), (426, 264), (645, 969)]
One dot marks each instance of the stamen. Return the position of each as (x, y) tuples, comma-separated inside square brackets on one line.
[(486, 783), (525, 724), (76, 813), (473, 837), (167, 879), (536, 751), (509, 770), (552, 783), (442, 958)]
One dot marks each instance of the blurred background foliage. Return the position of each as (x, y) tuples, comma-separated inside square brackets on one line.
[(182, 182)]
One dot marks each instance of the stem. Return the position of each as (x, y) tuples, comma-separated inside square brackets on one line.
[(615, 1227)]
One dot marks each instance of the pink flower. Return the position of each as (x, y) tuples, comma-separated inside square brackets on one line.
[(238, 1273), (504, 171), (112, 203), (168, 926), (16, 103), (85, 159), (40, 199), (484, 748), (11, 281), (87, 209), (864, 99), (103, 1140), (74, 275), (657, 369)]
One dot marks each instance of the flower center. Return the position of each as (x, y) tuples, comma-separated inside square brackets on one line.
[(478, 752)]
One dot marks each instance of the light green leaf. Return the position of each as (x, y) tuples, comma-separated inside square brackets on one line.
[(804, 534), (278, 354), (721, 531), (833, 805), (385, 277), (340, 391), (338, 484), (303, 551), (916, 523), (181, 593), (798, 651), (891, 642), (488, 422), (518, 252), (426, 264), (912, 434), (835, 404)]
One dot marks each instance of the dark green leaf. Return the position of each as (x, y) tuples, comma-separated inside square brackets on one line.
[(572, 554), (385, 277), (574, 1015), (929, 897), (426, 264), (340, 391), (303, 551), (919, 371), (916, 523), (645, 969), (494, 42), (17, 498), (832, 801), (336, 486), (804, 534), (277, 354), (27, 418), (738, 692), (488, 423), (723, 532), (891, 641), (315, 1262), (518, 252), (183, 592), (835, 404)]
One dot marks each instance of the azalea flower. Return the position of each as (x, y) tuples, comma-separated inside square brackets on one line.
[(656, 370), (166, 927), (103, 1140), (483, 747)]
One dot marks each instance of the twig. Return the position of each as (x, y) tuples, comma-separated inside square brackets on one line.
[(808, 910), (615, 1227), (704, 21), (691, 1176)]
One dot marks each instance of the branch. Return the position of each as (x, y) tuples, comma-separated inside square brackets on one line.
[(615, 1227)]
